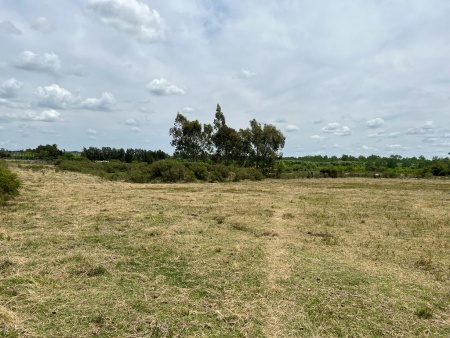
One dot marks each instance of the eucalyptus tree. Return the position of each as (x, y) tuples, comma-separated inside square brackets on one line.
[(226, 140), (190, 138)]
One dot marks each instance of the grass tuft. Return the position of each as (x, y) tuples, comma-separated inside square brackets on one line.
[(424, 312)]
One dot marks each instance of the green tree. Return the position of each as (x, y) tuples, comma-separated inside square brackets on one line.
[(267, 142), (4, 153), (189, 138), (47, 152), (226, 140)]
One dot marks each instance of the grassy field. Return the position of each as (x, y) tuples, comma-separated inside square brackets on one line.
[(84, 257)]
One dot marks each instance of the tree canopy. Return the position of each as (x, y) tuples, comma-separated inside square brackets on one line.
[(258, 145)]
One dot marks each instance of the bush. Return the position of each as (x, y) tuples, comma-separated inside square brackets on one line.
[(252, 174), (331, 172), (171, 171), (218, 173), (9, 184), (200, 170)]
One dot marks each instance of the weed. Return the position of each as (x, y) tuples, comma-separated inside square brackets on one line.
[(424, 263), (424, 312), (239, 227), (269, 233), (92, 271), (4, 265), (288, 215), (220, 219)]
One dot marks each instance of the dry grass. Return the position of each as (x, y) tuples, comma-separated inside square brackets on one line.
[(83, 257)]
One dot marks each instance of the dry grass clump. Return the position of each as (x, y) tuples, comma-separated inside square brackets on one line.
[(8, 321), (83, 257)]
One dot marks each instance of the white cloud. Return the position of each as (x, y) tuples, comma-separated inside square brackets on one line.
[(396, 147), (245, 74), (368, 148), (318, 121), (10, 88), (135, 129), (337, 129), (48, 62), (106, 102), (187, 110), (375, 123), (131, 17), (379, 133), (427, 128), (14, 104), (42, 25), (382, 133), (91, 132), (317, 137), (49, 115), (8, 27), (394, 134), (54, 96), (290, 128), (429, 125), (162, 87), (131, 122)]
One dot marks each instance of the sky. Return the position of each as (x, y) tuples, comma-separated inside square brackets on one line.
[(336, 77)]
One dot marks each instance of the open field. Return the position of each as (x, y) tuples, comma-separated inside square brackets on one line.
[(84, 257)]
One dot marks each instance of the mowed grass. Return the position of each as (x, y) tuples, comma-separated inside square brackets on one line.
[(84, 257)]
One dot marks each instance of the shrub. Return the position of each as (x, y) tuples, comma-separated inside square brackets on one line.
[(9, 184), (331, 172), (170, 171), (200, 170), (218, 173), (248, 174)]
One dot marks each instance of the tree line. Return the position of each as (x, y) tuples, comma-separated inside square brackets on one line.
[(129, 155), (390, 166)]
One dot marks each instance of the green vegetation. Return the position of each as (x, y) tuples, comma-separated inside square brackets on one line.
[(168, 170), (350, 166), (257, 146), (9, 184)]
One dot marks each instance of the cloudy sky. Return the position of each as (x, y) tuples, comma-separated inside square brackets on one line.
[(336, 77)]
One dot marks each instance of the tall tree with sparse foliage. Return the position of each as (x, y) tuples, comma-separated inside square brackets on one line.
[(226, 140)]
